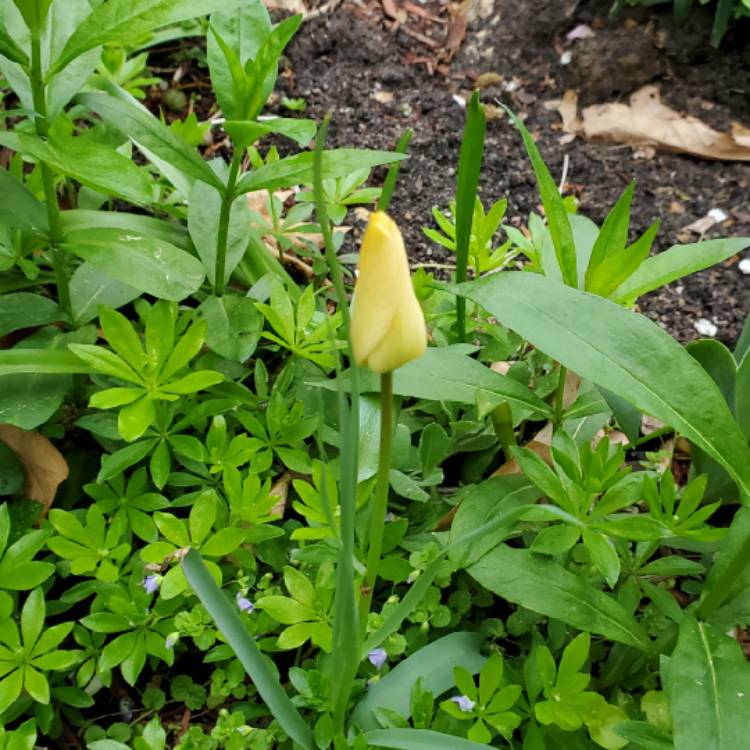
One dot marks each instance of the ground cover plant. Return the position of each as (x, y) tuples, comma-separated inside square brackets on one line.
[(433, 517)]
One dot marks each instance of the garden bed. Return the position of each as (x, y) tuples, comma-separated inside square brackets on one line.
[(344, 62)]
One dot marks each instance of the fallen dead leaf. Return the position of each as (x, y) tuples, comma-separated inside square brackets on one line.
[(650, 424), (646, 122), (501, 367), (290, 6), (44, 466), (384, 97), (280, 490), (540, 444), (485, 80)]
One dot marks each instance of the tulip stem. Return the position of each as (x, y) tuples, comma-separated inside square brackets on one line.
[(379, 503)]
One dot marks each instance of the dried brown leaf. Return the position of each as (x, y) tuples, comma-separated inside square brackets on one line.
[(44, 466), (645, 122)]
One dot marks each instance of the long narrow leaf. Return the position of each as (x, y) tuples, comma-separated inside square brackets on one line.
[(614, 233), (344, 663), (724, 12), (419, 739), (389, 185), (9, 49), (228, 621), (557, 217), (467, 180), (434, 663), (676, 262), (41, 361)]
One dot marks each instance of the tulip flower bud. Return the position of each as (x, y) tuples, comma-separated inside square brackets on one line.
[(388, 328)]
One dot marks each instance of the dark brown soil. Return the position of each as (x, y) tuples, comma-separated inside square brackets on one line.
[(342, 59)]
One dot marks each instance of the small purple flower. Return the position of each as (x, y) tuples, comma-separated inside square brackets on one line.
[(171, 640), (465, 703), (151, 583), (244, 604), (377, 657)]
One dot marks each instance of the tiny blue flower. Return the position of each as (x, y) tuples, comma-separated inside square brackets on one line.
[(151, 583), (171, 640), (244, 604), (377, 657), (465, 703)]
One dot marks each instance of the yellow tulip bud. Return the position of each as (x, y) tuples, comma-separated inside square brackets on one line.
[(388, 328)]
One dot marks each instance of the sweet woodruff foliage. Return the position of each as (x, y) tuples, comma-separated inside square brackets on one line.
[(287, 526)]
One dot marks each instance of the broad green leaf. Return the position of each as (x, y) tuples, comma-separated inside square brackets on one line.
[(447, 374), (147, 264), (26, 310), (242, 31), (644, 735), (234, 326), (65, 17), (298, 169), (259, 669), (262, 71), (150, 133), (118, 20), (554, 208), (91, 163), (245, 132), (708, 683), (433, 663), (90, 287), (496, 498), (544, 586), (37, 379), (743, 345), (19, 208), (742, 395), (623, 352), (203, 223), (79, 220), (419, 739), (676, 262)]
